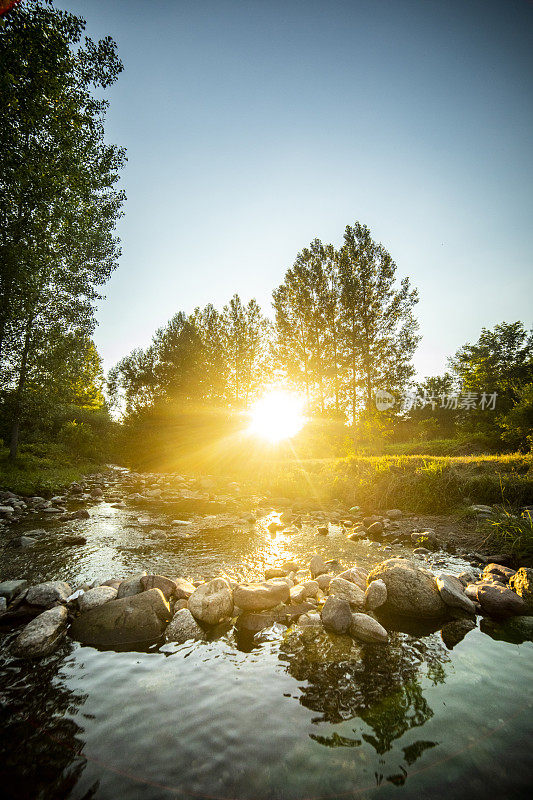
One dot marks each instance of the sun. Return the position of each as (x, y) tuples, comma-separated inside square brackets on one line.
[(277, 415)]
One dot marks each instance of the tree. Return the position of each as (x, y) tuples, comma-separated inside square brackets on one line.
[(58, 200), (245, 332), (376, 319), (501, 361)]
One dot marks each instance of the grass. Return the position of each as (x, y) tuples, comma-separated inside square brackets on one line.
[(420, 484), (510, 533), (43, 473)]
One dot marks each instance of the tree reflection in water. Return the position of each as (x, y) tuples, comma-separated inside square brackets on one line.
[(379, 684), (40, 746)]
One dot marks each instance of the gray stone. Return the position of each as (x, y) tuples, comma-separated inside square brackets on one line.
[(317, 566), (367, 629), (166, 585), (183, 627), (96, 597), (48, 594), (312, 588), (184, 589), (411, 590), (261, 596), (43, 634), (309, 620), (355, 575), (336, 615), (452, 592), (346, 590), (394, 513), (9, 589), (136, 619), (499, 601), (212, 602), (324, 581), (131, 586), (276, 572), (375, 595)]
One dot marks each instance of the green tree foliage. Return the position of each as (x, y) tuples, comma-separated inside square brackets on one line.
[(343, 327), (58, 197), (500, 361)]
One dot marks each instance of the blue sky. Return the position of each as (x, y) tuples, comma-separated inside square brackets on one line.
[(254, 127)]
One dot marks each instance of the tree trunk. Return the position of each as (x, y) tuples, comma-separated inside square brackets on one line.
[(15, 428)]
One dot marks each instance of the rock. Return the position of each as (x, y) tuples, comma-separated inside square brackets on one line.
[(355, 575), (454, 632), (184, 588), (375, 595), (499, 572), (290, 566), (96, 597), (72, 540), (324, 581), (346, 590), (298, 594), (480, 509), (23, 541), (336, 615), (114, 582), (308, 620), (261, 596), (135, 619), (421, 551), (131, 586), (51, 593), (411, 590), (9, 589), (522, 583), (317, 566), (516, 629), (167, 586), (322, 530), (499, 601), (467, 577), (275, 572), (452, 592), (394, 513), (376, 529), (312, 588), (43, 634), (367, 629), (183, 627), (213, 601)]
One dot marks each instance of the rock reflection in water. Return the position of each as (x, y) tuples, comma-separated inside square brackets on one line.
[(41, 734), (380, 685)]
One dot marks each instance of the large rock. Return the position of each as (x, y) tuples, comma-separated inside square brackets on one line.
[(346, 590), (452, 592), (498, 572), (324, 581), (367, 629), (164, 584), (261, 596), (131, 586), (137, 619), (336, 615), (375, 595), (183, 627), (96, 597), (184, 588), (9, 589), (212, 602), (49, 594), (522, 583), (411, 590), (499, 601), (43, 634)]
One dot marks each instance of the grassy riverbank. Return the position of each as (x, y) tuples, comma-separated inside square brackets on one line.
[(430, 484), (43, 472)]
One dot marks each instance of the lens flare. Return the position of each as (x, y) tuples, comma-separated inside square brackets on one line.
[(277, 416)]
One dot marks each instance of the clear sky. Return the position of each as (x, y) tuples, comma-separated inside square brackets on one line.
[(254, 126)]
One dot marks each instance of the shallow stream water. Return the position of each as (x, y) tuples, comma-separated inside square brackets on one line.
[(291, 715)]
